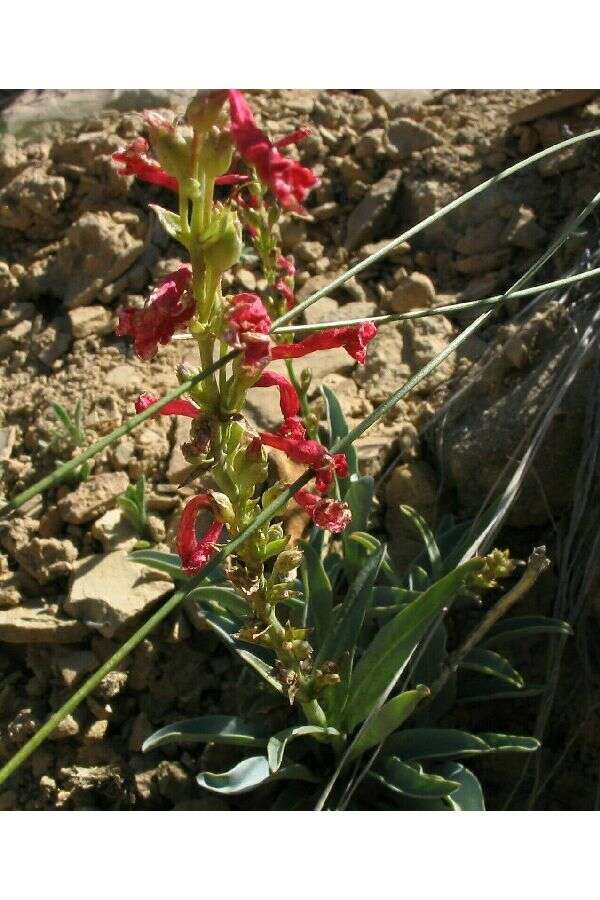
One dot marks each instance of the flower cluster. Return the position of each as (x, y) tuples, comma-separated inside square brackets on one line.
[(223, 145)]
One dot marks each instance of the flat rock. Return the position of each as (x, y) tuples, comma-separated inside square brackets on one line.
[(87, 320), (554, 102), (108, 592), (398, 102), (93, 497), (408, 136), (114, 531), (38, 623)]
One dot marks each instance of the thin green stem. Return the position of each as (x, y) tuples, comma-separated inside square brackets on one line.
[(442, 309), (88, 686), (429, 220)]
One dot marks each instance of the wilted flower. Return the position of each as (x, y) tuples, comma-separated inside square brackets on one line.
[(165, 313), (135, 161), (333, 515)]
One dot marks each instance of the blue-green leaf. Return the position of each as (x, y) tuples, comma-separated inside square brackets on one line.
[(387, 719), (169, 563), (345, 629), (320, 594), (410, 780), (249, 774), (440, 743), (469, 796), (224, 596), (359, 497), (209, 729), (489, 663), (278, 742), (392, 647)]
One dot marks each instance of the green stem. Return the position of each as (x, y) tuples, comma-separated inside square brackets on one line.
[(442, 309), (429, 220), (88, 686)]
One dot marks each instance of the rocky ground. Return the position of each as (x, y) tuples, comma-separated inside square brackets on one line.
[(77, 241)]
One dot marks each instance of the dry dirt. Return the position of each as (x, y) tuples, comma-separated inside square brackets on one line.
[(77, 241)]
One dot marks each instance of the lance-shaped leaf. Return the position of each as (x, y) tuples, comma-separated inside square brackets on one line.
[(320, 594), (359, 497), (392, 647), (410, 779), (525, 626), (169, 563), (209, 729), (278, 742), (441, 743), (427, 536), (487, 662), (345, 629), (387, 719), (338, 427), (249, 774)]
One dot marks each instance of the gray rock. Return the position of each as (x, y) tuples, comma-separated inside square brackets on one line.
[(408, 136), (372, 215), (39, 623), (93, 497)]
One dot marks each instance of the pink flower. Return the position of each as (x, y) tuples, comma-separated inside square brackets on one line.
[(333, 515), (288, 398), (287, 265), (324, 475), (194, 552), (289, 181), (179, 407), (353, 338), (164, 314), (286, 292), (135, 161)]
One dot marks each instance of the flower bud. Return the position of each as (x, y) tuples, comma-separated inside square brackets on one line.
[(222, 241), (170, 146), (205, 108), (286, 562), (222, 507), (216, 154)]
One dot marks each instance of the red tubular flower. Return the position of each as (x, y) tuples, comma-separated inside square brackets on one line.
[(194, 552), (288, 398), (289, 181), (286, 265), (135, 161), (162, 316), (179, 407), (301, 450), (353, 338), (333, 515)]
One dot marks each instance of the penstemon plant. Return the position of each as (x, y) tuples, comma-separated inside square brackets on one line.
[(314, 639), (355, 652)]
